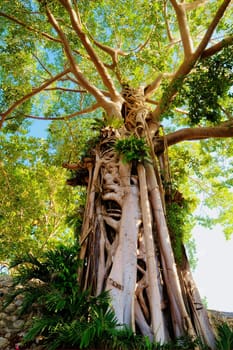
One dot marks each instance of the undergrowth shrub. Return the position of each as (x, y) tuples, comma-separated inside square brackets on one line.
[(68, 317), (224, 340)]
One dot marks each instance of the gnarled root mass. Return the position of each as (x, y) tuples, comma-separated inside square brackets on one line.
[(126, 248)]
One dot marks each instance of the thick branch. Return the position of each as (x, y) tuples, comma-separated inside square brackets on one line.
[(105, 93), (217, 47), (188, 64), (183, 27), (140, 47), (30, 94), (191, 134), (75, 21)]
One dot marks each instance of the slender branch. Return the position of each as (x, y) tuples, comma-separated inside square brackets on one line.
[(217, 47), (31, 29), (66, 117), (179, 110), (66, 89), (193, 5), (183, 27), (140, 47), (109, 50), (34, 30), (169, 34), (188, 64), (191, 134), (211, 28), (42, 65), (149, 89), (30, 94), (76, 23), (104, 92)]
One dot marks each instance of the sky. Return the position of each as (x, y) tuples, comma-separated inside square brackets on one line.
[(213, 274)]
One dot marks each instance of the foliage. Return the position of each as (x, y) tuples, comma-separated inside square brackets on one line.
[(132, 148), (180, 225), (35, 200), (67, 316), (72, 140), (225, 337), (208, 86)]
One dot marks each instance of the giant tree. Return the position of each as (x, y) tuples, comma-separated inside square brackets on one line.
[(142, 64)]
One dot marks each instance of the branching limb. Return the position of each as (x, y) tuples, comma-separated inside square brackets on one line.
[(217, 47), (183, 27), (149, 89), (105, 93), (76, 24), (75, 69), (140, 47), (66, 90), (109, 50), (34, 30), (169, 34), (190, 134), (211, 28), (188, 64), (31, 94), (110, 107), (42, 65), (178, 110)]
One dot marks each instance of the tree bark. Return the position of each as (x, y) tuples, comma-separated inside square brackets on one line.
[(127, 249)]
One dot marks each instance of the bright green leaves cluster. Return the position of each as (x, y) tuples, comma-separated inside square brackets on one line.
[(202, 172), (18, 69), (208, 91), (132, 148), (35, 199), (216, 184), (72, 140), (180, 223)]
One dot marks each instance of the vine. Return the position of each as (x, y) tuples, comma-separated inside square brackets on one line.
[(177, 224)]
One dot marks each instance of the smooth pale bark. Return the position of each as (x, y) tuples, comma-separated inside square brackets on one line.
[(122, 278), (141, 322), (169, 265), (191, 134), (155, 299)]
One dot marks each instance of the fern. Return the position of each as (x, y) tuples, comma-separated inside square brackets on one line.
[(225, 337)]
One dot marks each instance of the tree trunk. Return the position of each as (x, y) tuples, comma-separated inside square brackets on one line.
[(127, 249)]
